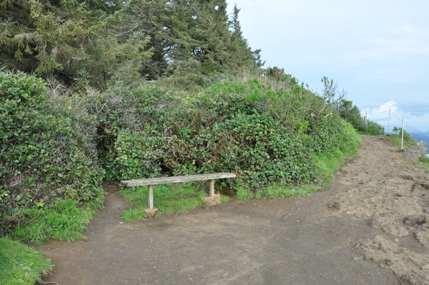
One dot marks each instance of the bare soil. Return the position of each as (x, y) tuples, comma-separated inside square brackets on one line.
[(371, 227)]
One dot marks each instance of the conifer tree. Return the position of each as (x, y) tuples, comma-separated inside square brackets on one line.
[(90, 42), (77, 41), (241, 52)]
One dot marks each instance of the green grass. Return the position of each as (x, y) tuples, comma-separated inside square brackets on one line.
[(396, 140), (244, 194), (64, 220), (168, 199), (423, 163), (20, 264)]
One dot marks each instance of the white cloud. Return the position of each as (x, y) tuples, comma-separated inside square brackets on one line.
[(390, 115), (376, 50), (398, 45)]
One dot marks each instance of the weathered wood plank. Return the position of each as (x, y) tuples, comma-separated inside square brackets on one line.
[(176, 179)]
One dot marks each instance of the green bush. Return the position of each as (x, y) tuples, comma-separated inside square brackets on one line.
[(330, 161), (424, 159), (280, 191), (265, 133), (373, 128), (44, 153), (140, 155), (130, 118), (351, 114)]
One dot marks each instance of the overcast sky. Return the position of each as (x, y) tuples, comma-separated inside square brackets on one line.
[(376, 50)]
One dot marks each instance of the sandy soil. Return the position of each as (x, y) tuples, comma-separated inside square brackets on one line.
[(370, 228), (380, 186)]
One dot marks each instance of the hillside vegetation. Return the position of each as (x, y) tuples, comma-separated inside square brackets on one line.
[(99, 91)]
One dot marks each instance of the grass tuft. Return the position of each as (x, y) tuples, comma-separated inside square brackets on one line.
[(168, 199), (63, 220), (20, 264), (244, 194), (423, 163)]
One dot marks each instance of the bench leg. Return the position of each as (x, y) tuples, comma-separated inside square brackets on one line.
[(151, 211), (212, 187), (212, 199), (150, 196)]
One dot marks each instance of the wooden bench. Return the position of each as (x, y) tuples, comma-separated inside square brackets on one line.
[(150, 182)]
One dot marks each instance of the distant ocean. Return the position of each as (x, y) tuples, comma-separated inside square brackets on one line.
[(421, 137)]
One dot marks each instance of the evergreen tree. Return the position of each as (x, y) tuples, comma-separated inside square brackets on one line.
[(90, 42), (80, 42), (241, 52)]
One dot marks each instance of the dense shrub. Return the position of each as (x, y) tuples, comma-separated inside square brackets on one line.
[(126, 115), (139, 155), (373, 128), (43, 153), (351, 114), (265, 134)]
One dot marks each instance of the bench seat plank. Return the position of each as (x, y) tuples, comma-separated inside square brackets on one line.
[(176, 179)]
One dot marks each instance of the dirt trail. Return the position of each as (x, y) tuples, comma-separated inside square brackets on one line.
[(370, 228), (382, 187)]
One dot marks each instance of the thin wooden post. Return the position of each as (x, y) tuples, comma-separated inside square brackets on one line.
[(212, 187), (388, 124), (402, 131), (150, 192)]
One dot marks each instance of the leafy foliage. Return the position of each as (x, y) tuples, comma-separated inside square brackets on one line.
[(265, 134), (330, 161), (244, 193), (43, 153), (373, 128)]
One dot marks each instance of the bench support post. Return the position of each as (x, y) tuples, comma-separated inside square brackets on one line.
[(151, 211), (150, 196), (212, 187)]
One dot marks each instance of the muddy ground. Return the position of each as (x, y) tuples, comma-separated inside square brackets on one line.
[(372, 227)]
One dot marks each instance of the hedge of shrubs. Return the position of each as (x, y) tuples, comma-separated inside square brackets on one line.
[(265, 134), (63, 147), (44, 155)]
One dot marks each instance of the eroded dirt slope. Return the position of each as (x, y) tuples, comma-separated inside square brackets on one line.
[(385, 189)]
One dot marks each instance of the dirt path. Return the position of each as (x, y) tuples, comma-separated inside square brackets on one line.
[(370, 228)]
